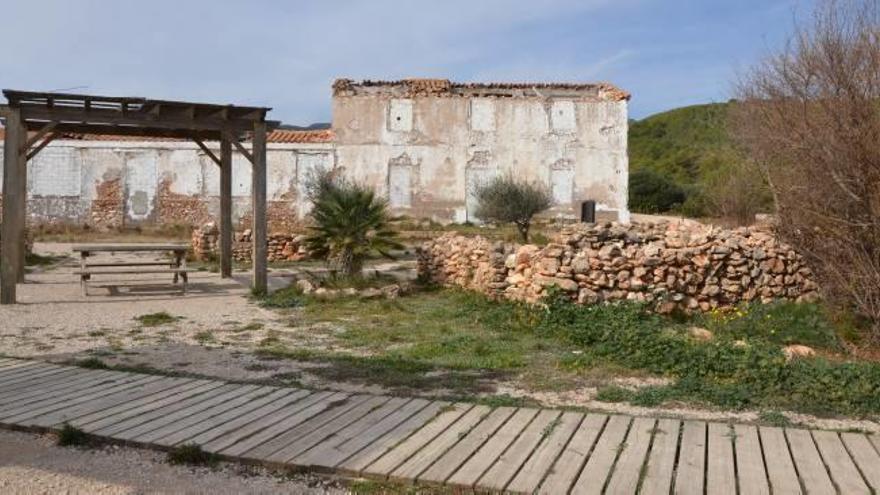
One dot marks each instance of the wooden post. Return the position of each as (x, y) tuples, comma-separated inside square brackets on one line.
[(225, 208), (14, 190), (258, 195), (21, 208)]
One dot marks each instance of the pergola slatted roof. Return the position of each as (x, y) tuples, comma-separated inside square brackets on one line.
[(47, 116)]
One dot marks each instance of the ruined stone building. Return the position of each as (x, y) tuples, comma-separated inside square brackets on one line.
[(425, 144)]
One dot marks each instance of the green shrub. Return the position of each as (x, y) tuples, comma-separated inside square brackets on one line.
[(651, 192), (718, 372)]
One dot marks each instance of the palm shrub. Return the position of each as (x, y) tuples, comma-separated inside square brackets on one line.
[(350, 224), (509, 200)]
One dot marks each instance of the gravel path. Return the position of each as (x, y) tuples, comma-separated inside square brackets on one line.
[(33, 464)]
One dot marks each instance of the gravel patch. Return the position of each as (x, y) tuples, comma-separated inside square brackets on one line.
[(32, 464)]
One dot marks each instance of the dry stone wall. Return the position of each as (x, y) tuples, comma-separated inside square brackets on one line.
[(281, 247), (671, 266)]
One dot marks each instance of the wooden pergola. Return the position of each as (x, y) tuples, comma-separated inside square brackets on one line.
[(33, 120)]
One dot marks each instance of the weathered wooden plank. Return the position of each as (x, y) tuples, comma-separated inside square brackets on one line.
[(351, 439), (569, 464), (628, 468), (780, 465), (809, 463), (442, 422), (28, 384), (40, 388), (844, 472), (169, 407), (23, 417), (379, 447), (166, 417), (7, 361), (598, 467), (499, 475), (470, 472), (424, 458), (214, 426), (26, 380), (202, 418), (450, 461), (691, 459), (335, 403), (18, 367), (539, 464), (123, 397), (116, 414), (280, 411), (750, 461), (356, 419), (14, 378), (661, 460), (40, 396), (720, 468), (311, 432), (865, 456), (229, 423)]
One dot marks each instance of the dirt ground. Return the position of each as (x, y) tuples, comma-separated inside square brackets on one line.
[(32, 464), (215, 330)]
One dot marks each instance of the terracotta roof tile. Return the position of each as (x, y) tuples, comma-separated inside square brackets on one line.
[(277, 136)]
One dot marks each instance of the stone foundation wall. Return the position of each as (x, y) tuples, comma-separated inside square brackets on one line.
[(671, 266), (282, 247)]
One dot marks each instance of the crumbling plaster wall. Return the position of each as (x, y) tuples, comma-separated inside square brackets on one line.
[(444, 145), (110, 183)]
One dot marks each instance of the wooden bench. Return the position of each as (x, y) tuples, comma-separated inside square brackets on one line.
[(176, 265)]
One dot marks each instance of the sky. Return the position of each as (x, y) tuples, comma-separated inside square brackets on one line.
[(286, 54)]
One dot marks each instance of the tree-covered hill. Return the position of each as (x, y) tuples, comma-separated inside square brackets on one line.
[(684, 160)]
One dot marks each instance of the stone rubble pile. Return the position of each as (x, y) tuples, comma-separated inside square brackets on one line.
[(281, 247), (690, 267)]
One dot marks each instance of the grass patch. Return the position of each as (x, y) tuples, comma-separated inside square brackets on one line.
[(774, 418), (613, 393), (71, 436), (156, 319), (34, 259), (204, 337), (192, 455), (92, 363), (286, 298)]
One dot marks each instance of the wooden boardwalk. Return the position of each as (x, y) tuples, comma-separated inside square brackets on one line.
[(523, 450)]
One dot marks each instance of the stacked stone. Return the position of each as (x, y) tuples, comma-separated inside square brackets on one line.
[(469, 262), (281, 247), (671, 266)]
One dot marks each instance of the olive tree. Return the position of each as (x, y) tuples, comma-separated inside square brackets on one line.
[(508, 200)]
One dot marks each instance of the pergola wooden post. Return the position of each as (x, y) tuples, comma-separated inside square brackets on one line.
[(258, 193), (225, 208), (48, 115), (14, 194)]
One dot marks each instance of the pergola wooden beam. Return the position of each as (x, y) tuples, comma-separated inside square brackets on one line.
[(208, 151), (51, 115)]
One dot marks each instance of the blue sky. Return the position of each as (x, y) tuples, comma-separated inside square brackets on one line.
[(285, 54)]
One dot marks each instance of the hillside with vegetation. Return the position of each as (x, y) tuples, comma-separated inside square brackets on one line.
[(683, 160)]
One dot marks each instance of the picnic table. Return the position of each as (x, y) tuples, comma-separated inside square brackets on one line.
[(176, 264)]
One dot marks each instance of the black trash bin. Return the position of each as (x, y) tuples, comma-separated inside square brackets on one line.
[(588, 211)]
